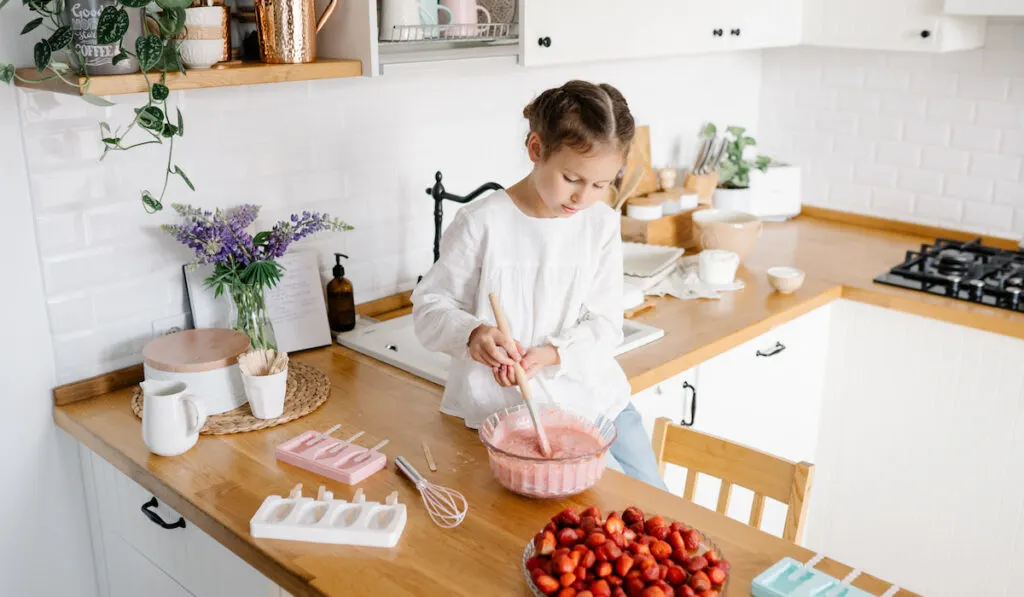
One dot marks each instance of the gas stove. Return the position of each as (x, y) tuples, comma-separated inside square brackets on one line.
[(966, 271)]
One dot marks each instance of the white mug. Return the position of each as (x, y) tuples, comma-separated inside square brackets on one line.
[(464, 12), (171, 420), (402, 20), (717, 267), (266, 394), (429, 14)]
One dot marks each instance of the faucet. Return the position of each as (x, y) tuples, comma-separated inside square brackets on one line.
[(440, 194)]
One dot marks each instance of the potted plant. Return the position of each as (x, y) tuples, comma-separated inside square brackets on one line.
[(245, 265), (737, 169)]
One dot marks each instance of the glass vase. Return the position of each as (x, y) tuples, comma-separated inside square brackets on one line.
[(249, 316)]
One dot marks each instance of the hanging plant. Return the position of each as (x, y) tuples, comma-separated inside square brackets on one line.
[(156, 51)]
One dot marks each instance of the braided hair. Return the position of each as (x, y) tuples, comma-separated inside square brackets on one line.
[(581, 115)]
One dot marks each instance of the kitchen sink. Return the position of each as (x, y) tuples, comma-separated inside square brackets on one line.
[(394, 342)]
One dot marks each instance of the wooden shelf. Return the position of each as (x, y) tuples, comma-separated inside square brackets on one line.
[(220, 75)]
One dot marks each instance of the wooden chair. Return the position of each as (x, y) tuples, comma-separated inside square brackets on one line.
[(735, 464)]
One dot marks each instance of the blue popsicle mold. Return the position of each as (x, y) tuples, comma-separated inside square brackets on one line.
[(775, 582)]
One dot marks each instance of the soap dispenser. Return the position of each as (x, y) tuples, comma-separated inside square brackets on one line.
[(341, 304)]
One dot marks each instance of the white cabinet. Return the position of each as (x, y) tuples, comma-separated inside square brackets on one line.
[(985, 7), (136, 555), (739, 25), (916, 25), (674, 399)]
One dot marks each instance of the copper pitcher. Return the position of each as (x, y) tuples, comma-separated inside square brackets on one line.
[(287, 29)]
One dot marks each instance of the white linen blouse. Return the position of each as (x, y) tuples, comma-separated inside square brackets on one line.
[(560, 283)]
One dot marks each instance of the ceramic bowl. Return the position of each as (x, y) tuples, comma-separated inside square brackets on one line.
[(540, 477), (786, 279), (201, 53), (728, 230)]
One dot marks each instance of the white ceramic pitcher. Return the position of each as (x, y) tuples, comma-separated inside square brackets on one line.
[(171, 419)]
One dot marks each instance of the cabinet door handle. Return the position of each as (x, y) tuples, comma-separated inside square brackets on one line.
[(544, 42), (735, 32), (925, 34), (774, 350), (717, 32), (147, 509), (693, 405)]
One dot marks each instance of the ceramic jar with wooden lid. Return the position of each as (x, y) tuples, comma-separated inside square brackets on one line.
[(206, 360)]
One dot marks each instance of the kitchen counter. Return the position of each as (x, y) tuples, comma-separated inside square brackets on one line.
[(220, 483), (840, 260)]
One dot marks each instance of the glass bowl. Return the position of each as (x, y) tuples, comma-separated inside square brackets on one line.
[(546, 477)]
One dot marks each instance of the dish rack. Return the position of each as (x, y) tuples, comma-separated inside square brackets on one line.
[(456, 32)]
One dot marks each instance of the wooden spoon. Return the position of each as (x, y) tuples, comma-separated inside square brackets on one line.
[(524, 384)]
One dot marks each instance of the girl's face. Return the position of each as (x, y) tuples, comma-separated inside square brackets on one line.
[(568, 181)]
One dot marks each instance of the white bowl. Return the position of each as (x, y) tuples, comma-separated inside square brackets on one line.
[(201, 53), (786, 279)]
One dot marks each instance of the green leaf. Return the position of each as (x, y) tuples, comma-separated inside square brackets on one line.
[(736, 131), (169, 130), (2, 3), (122, 55), (159, 92), (6, 72), (96, 100), (151, 118), (150, 203), (112, 25), (181, 173), (181, 124), (149, 48), (171, 22), (261, 238), (42, 54), (134, 3), (763, 162), (169, 60), (169, 4), (60, 38), (32, 25), (710, 130), (111, 141)]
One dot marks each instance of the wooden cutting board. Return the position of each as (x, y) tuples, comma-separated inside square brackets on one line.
[(640, 156)]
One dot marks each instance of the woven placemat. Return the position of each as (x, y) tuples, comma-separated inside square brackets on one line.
[(308, 388)]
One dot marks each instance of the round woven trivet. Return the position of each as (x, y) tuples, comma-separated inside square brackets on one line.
[(308, 388)]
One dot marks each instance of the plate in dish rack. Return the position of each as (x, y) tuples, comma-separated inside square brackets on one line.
[(706, 545)]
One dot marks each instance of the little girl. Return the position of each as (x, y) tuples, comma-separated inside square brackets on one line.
[(551, 250)]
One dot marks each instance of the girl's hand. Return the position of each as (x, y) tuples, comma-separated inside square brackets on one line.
[(487, 345), (532, 362)]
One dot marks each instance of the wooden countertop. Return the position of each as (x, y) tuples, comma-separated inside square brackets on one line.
[(221, 482), (840, 260)]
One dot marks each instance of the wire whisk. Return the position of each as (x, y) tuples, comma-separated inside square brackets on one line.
[(446, 507)]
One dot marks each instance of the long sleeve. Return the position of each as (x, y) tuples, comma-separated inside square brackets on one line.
[(598, 330), (442, 301)]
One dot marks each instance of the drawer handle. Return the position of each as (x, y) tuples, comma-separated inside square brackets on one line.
[(150, 514), (693, 405), (774, 350)]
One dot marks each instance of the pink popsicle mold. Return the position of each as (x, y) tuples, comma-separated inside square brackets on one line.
[(330, 457)]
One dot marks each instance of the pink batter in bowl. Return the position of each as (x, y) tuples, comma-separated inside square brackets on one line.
[(579, 445)]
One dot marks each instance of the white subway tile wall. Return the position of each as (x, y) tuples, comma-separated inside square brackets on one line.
[(361, 149), (932, 138)]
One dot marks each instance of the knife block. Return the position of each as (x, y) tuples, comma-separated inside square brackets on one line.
[(675, 230), (702, 184)]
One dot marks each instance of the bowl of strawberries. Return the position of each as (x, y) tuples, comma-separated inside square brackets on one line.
[(581, 554)]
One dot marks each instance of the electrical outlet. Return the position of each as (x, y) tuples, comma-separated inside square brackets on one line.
[(171, 324)]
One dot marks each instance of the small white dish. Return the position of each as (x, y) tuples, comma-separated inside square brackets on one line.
[(786, 279)]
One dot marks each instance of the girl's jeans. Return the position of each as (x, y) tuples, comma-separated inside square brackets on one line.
[(631, 452)]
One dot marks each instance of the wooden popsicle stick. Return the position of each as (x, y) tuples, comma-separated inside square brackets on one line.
[(524, 384), (430, 457)]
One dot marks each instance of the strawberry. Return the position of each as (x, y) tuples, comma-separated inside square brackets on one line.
[(584, 593), (600, 588), (567, 579), (619, 592), (595, 540), (635, 587), (681, 557), (561, 551), (716, 575), (550, 526), (686, 591), (535, 562), (580, 548), (696, 564), (603, 569), (547, 585), (709, 593), (675, 539), (562, 564), (568, 537), (618, 540), (652, 592), (646, 539), (544, 543), (613, 551), (651, 523), (676, 576), (712, 557), (629, 535), (650, 573), (614, 580), (579, 585), (580, 572), (665, 588), (724, 565), (622, 564), (692, 539), (588, 560), (661, 550), (589, 524), (537, 573), (660, 533), (678, 527), (614, 525), (634, 573), (567, 518), (567, 592), (640, 549), (638, 528), (700, 582), (662, 571), (632, 514), (591, 511), (575, 556)]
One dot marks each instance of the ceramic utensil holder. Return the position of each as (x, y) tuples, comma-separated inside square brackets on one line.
[(702, 184), (327, 520), (266, 393), (780, 581), (330, 457)]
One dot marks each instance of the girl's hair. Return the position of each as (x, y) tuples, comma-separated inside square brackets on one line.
[(581, 115)]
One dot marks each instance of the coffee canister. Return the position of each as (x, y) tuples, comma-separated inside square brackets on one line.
[(206, 360), (82, 16)]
